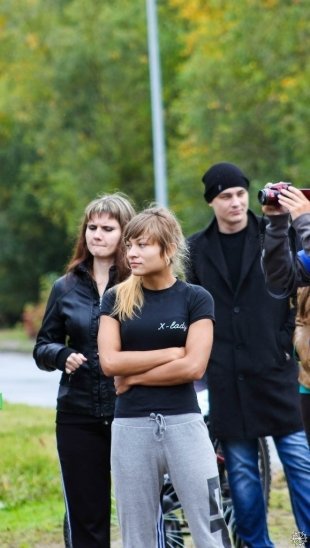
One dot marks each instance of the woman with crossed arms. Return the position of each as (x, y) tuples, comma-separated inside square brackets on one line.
[(155, 337)]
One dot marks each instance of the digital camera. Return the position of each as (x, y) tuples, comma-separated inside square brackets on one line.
[(269, 196)]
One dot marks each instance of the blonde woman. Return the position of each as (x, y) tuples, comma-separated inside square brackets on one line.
[(155, 337)]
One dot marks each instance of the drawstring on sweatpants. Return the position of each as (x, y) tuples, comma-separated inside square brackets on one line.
[(160, 425)]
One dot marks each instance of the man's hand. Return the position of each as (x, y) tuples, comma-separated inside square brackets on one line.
[(294, 201)]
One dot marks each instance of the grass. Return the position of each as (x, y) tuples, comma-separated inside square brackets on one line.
[(31, 503), (280, 519)]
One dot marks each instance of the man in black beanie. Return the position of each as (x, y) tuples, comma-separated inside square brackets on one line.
[(252, 375)]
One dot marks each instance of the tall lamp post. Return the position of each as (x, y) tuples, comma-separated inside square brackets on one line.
[(159, 154)]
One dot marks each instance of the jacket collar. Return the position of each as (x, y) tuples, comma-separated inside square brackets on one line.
[(213, 249), (83, 270)]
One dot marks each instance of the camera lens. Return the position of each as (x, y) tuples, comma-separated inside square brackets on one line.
[(269, 196), (262, 196)]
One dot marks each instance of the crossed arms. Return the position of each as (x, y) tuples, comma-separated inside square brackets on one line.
[(163, 367)]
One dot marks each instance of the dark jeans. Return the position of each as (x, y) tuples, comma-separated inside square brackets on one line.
[(84, 453), (243, 475)]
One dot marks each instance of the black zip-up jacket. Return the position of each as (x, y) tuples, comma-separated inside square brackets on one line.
[(70, 324), (284, 269)]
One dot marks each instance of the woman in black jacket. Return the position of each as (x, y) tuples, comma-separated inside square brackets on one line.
[(67, 341)]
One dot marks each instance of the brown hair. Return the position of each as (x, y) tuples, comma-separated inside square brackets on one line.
[(118, 207), (161, 226), (303, 296)]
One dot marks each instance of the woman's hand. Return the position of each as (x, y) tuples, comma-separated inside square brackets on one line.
[(121, 385), (74, 361)]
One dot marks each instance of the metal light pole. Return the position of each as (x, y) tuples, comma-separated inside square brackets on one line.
[(157, 110)]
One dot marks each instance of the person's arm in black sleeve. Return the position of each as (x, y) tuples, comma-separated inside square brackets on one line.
[(50, 351), (277, 257)]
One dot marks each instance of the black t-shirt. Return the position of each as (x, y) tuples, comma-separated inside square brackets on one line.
[(232, 245), (162, 322)]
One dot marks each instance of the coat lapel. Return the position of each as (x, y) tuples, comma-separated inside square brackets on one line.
[(251, 249), (214, 252)]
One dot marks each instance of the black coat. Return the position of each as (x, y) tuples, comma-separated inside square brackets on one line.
[(252, 377), (70, 324)]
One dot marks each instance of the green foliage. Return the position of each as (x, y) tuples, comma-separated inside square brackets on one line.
[(94, 137), (75, 112), (33, 313), (249, 95), (31, 245), (75, 116)]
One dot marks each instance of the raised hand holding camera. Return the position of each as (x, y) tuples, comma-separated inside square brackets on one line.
[(295, 200), (282, 198)]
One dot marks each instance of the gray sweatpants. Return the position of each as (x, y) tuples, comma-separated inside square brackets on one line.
[(143, 450)]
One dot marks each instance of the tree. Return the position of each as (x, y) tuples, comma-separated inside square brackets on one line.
[(245, 94), (77, 102)]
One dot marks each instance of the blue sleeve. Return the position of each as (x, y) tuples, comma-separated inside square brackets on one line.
[(304, 259)]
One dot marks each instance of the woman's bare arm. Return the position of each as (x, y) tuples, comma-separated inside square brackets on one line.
[(178, 371), (114, 361)]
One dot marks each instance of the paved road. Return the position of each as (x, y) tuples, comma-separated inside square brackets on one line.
[(22, 382)]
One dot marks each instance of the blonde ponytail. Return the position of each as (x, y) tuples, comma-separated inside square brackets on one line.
[(129, 298)]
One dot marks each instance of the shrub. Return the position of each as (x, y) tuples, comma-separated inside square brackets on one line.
[(33, 313)]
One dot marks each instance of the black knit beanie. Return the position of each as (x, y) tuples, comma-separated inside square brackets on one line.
[(222, 176)]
